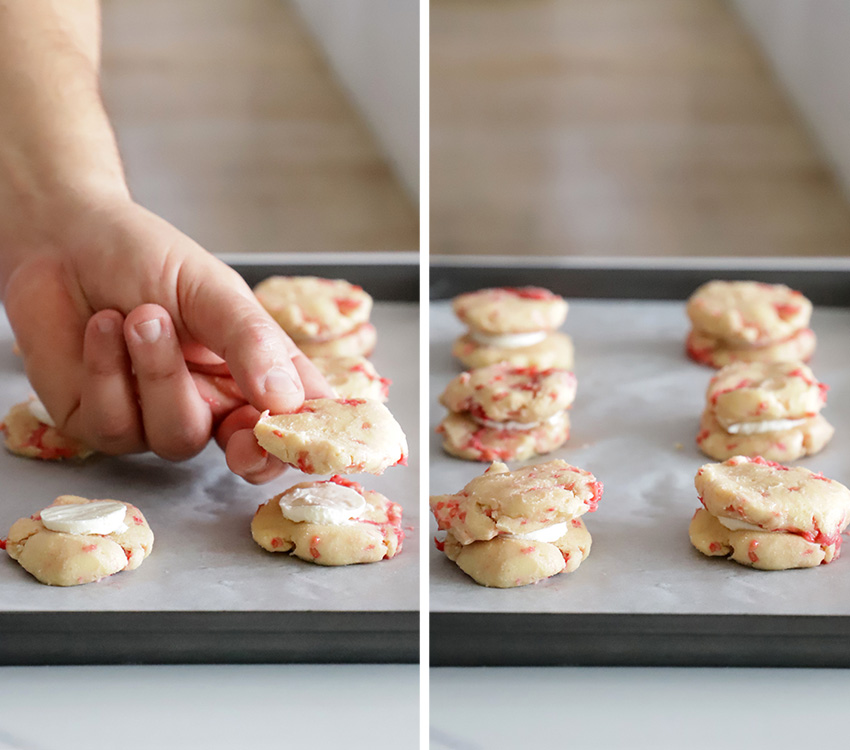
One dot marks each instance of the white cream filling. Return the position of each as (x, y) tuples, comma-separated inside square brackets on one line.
[(327, 503), (38, 410), (551, 533), (509, 340), (733, 524), (768, 425), (484, 422), (98, 517)]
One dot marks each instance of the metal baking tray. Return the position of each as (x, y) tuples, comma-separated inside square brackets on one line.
[(208, 594), (644, 596)]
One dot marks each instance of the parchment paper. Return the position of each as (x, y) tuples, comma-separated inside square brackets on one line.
[(204, 558), (634, 424)]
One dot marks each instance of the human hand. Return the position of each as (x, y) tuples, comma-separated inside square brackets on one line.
[(136, 338)]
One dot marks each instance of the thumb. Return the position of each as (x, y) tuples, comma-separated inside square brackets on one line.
[(219, 310)]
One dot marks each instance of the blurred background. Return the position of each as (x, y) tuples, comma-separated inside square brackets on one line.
[(270, 125), (640, 127)]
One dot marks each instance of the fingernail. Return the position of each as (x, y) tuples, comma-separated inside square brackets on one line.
[(280, 381), (105, 325), (149, 331)]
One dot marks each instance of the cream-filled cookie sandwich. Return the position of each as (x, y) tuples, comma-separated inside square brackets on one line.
[(335, 522), (31, 432), (764, 409), (748, 321), (513, 324), (511, 528), (324, 317), (507, 412), (768, 516), (76, 540)]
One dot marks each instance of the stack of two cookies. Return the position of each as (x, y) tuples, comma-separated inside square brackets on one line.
[(507, 412), (746, 321), (513, 324), (764, 409), (769, 516), (512, 528), (328, 319)]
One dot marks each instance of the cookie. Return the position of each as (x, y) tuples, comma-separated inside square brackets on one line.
[(507, 562), (465, 438), (748, 313), (353, 377), (506, 393), (510, 310), (312, 309), (764, 409), (335, 522), (553, 350), (715, 353), (530, 499), (506, 412), (335, 436), (359, 342), (759, 495), (30, 432), (758, 549), (76, 541), (804, 438), (743, 396)]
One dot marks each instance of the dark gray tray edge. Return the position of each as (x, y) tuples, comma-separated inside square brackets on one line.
[(53, 638), (638, 640), (828, 285)]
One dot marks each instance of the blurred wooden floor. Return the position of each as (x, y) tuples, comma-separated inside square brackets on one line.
[(232, 127), (618, 127)]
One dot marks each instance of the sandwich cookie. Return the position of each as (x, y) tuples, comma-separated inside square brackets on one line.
[(513, 324), (747, 321), (511, 528), (507, 412), (769, 516), (764, 409), (324, 317)]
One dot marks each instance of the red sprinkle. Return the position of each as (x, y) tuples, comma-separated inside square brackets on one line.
[(752, 551), (314, 547), (343, 482)]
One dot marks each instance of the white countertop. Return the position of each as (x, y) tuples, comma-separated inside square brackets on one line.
[(210, 707)]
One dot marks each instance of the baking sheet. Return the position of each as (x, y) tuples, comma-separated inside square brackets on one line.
[(205, 566), (633, 425)]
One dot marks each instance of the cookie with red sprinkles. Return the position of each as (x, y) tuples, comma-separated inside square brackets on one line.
[(62, 558), (748, 321), (767, 515), (335, 436), (324, 317), (29, 432), (768, 409), (507, 412), (510, 528), (333, 522)]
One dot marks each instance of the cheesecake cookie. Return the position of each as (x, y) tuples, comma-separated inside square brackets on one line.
[(30, 432), (335, 522), (760, 495), (75, 540), (506, 562)]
